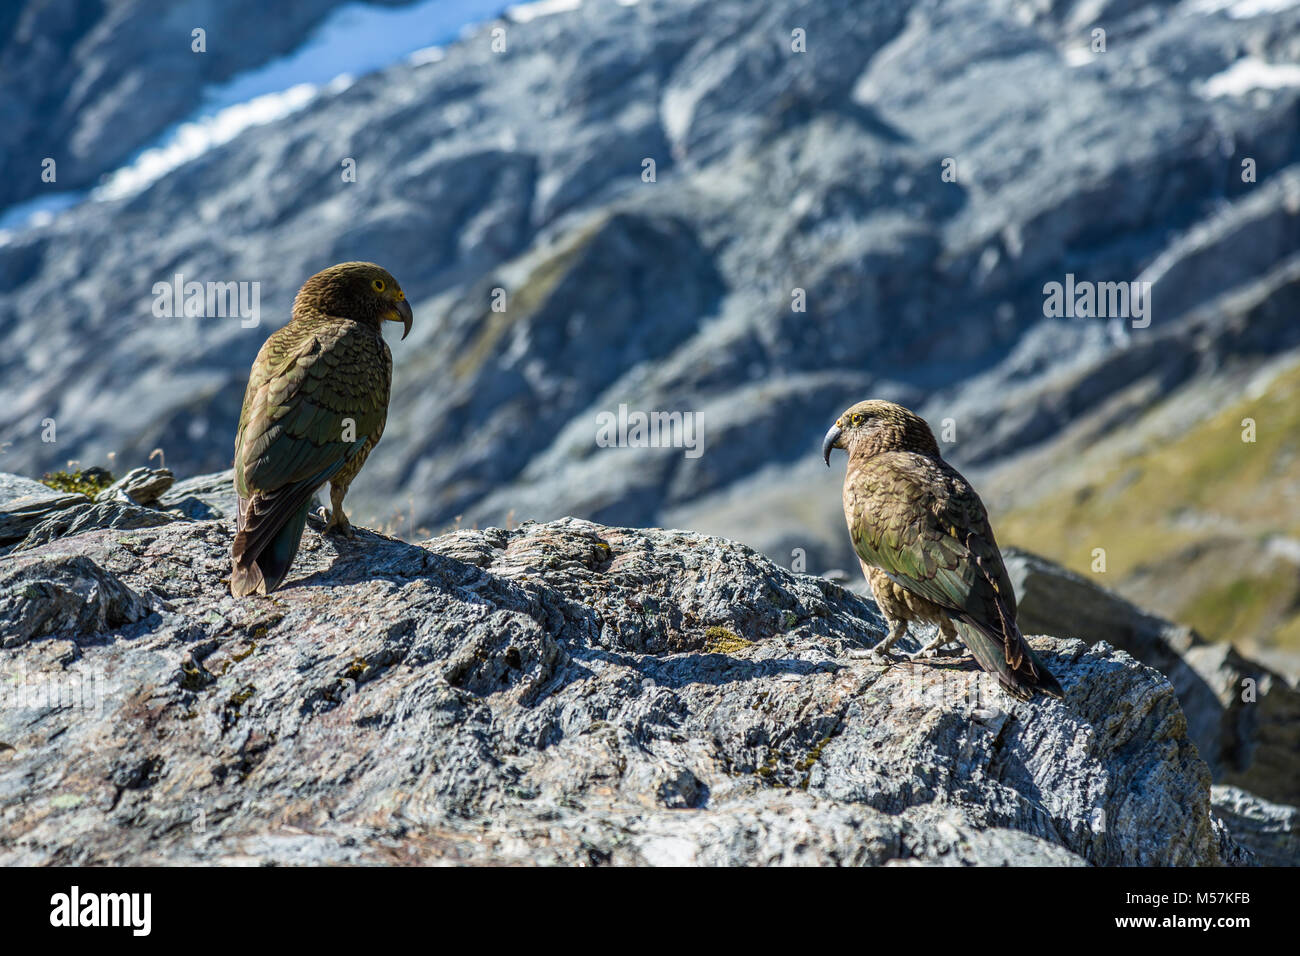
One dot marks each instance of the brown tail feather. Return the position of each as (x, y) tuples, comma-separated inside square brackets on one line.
[(269, 529), (246, 579), (266, 542), (1013, 662)]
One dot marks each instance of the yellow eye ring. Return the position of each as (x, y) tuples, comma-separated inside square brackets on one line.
[(377, 285), (857, 419)]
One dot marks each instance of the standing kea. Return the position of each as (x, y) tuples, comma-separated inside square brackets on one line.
[(923, 538), (315, 406)]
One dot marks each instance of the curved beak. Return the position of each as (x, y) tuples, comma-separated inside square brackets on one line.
[(403, 310), (830, 441)]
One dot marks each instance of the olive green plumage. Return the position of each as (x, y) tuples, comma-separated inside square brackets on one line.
[(924, 541), (316, 404)]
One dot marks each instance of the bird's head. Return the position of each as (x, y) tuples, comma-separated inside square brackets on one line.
[(875, 426), (361, 291)]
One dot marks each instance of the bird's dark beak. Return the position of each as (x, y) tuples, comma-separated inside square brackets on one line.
[(830, 441), (402, 309)]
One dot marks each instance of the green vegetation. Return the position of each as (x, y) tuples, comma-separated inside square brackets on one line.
[(524, 301), (1188, 524), (719, 640), (89, 482)]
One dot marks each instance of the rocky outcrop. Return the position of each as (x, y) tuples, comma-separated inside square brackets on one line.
[(42, 597), (205, 496), (139, 486), (561, 692), (25, 503), (33, 513), (1270, 830)]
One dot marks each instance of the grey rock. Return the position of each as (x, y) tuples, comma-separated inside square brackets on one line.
[(25, 503), (1245, 238), (66, 595), (88, 517), (1270, 830), (795, 829), (202, 497), (1243, 717), (140, 486), (558, 693), (18, 488)]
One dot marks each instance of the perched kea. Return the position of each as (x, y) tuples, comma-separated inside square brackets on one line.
[(923, 538), (316, 404)]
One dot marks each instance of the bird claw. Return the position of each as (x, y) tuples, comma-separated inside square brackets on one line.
[(871, 654), (336, 524), (934, 649)]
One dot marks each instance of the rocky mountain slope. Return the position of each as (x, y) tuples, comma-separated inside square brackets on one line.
[(78, 74), (1199, 523), (780, 177), (1243, 716), (561, 693), (91, 84)]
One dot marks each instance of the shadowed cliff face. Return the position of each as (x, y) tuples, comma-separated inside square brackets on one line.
[(556, 280), (564, 692)]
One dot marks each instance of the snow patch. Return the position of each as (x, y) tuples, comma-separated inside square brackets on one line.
[(191, 140), (1242, 9), (1250, 73), (357, 38), (527, 12), (35, 212), (353, 40), (429, 54)]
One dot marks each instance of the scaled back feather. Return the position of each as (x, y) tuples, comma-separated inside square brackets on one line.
[(923, 536), (315, 406)]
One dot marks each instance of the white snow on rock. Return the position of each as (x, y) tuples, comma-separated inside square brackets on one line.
[(1250, 73)]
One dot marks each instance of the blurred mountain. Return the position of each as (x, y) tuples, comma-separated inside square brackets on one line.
[(88, 82), (780, 178), (1200, 522)]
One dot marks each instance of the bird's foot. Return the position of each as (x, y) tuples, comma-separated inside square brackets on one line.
[(933, 649), (336, 522), (873, 656), (870, 654), (880, 654)]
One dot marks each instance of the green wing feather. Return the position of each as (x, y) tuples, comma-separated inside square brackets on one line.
[(922, 524), (307, 383)]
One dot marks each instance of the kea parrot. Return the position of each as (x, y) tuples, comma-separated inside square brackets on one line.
[(923, 538), (316, 404)]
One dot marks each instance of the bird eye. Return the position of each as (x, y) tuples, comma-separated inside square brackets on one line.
[(857, 419), (378, 285)]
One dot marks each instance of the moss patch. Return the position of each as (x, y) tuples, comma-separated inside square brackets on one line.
[(89, 482), (719, 640)]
